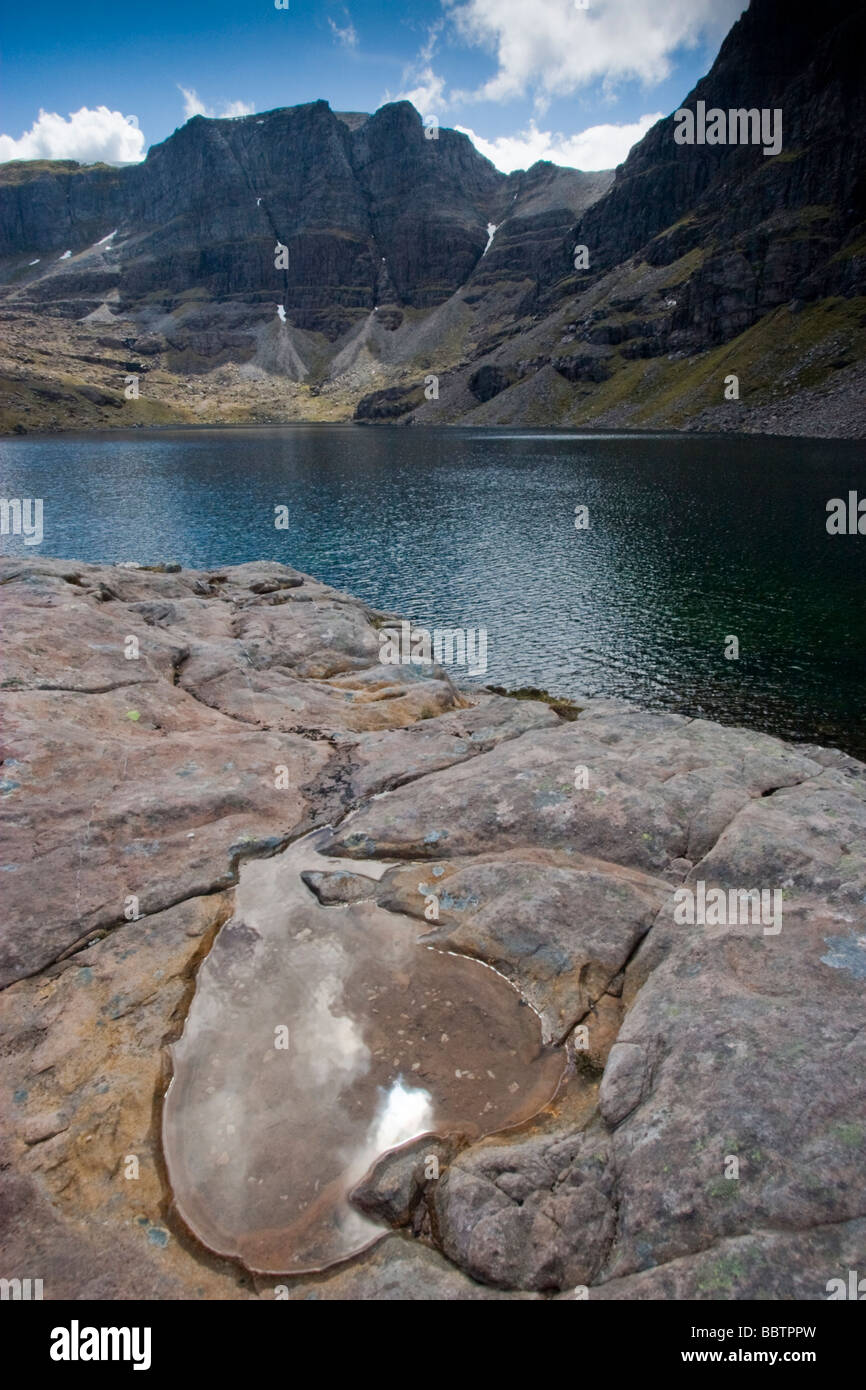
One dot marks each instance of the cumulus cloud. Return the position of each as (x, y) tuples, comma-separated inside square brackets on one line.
[(194, 106), (88, 136), (552, 48), (598, 147), (348, 37)]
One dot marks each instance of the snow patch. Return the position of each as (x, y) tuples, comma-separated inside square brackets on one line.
[(107, 238), (65, 256), (491, 233), (281, 310), (36, 262)]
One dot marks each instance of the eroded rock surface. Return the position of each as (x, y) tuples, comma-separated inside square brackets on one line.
[(150, 775), (255, 712)]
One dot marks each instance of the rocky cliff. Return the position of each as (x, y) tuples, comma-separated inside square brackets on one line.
[(405, 258), (294, 246), (707, 260), (206, 208), (708, 1138)]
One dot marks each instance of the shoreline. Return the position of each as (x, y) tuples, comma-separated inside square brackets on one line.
[(577, 431)]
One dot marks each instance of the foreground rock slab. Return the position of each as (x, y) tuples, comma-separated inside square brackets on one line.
[(710, 1137)]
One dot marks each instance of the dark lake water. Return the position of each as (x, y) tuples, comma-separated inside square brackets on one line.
[(691, 540)]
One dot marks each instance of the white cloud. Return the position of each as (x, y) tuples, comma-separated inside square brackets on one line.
[(194, 106), (598, 147), (88, 136), (552, 47), (428, 96), (238, 108), (348, 37)]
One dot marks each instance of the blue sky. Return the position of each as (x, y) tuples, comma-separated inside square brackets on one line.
[(562, 79)]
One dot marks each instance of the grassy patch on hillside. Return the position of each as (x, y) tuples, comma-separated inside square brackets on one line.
[(782, 353)]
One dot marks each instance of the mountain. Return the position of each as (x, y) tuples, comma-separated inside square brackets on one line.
[(310, 264), (707, 261), (355, 230)]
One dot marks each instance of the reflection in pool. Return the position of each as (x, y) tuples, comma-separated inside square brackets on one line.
[(319, 1038)]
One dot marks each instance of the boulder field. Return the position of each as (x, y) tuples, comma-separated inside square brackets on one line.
[(166, 731)]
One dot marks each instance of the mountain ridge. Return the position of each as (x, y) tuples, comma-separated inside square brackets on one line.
[(394, 300)]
